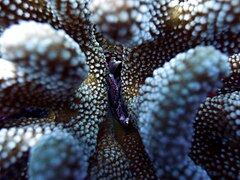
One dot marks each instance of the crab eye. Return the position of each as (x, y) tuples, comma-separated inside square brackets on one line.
[(114, 66)]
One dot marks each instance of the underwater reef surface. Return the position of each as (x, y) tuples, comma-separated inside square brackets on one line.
[(119, 89)]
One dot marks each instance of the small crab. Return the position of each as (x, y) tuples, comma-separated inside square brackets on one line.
[(114, 92)]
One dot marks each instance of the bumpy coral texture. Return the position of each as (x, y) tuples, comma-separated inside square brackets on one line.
[(175, 67)]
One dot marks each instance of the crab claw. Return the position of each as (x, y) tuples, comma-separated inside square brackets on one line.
[(124, 120)]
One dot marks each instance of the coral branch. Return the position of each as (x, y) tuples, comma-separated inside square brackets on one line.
[(50, 66), (57, 156), (168, 103), (217, 135)]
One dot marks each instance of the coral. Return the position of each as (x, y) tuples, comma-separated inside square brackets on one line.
[(16, 142), (181, 26), (12, 12), (167, 135), (53, 84), (35, 49), (111, 161), (103, 89), (120, 154), (217, 135), (127, 22), (231, 83), (62, 155)]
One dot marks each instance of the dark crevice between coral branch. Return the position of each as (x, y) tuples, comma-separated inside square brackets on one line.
[(16, 118)]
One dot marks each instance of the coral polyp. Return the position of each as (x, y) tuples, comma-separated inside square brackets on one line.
[(126, 89)]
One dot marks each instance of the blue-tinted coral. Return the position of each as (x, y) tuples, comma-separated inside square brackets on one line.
[(126, 22), (167, 135), (34, 49), (57, 116), (63, 158)]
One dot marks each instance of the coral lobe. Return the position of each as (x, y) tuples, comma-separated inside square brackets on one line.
[(104, 89)]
